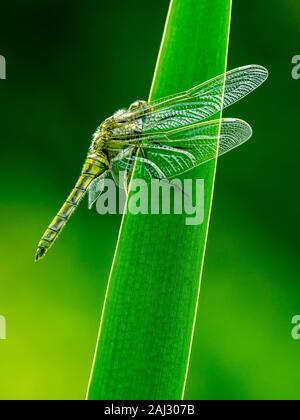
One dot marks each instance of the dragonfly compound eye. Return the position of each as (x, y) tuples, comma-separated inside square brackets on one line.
[(137, 105)]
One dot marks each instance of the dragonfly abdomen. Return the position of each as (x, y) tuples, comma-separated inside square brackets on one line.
[(93, 167)]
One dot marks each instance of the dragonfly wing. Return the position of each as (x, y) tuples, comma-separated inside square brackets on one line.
[(142, 167), (200, 102), (167, 155), (96, 189), (122, 165), (181, 150)]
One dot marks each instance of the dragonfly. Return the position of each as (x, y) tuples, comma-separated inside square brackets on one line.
[(161, 139)]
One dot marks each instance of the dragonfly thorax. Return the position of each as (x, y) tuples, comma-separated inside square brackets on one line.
[(122, 122), (125, 122)]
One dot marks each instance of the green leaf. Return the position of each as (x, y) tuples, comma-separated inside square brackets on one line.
[(151, 303)]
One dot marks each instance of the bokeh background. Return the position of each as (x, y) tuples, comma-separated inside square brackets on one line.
[(70, 65)]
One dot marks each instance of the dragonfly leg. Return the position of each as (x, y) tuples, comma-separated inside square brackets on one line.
[(159, 178)]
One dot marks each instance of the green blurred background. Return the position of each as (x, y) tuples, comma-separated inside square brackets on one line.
[(70, 65)]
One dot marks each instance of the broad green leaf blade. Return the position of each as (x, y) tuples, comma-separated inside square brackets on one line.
[(150, 308)]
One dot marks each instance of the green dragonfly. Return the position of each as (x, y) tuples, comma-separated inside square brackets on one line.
[(167, 137)]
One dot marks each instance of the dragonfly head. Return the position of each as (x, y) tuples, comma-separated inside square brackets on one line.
[(137, 105)]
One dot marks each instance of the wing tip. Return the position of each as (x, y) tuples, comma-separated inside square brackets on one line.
[(257, 68), (243, 125)]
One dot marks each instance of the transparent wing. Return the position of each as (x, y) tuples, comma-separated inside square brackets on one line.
[(182, 150), (123, 163), (170, 154), (200, 102), (143, 169), (122, 166), (96, 189)]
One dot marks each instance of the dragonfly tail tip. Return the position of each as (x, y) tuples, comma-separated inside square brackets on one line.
[(40, 253)]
